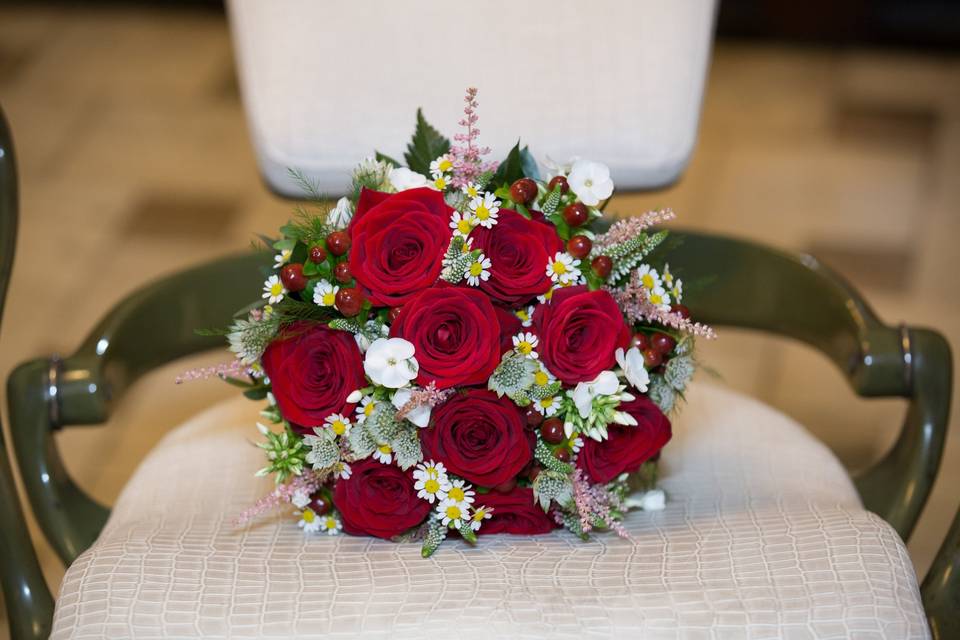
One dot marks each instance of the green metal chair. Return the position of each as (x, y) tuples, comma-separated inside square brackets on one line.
[(788, 295)]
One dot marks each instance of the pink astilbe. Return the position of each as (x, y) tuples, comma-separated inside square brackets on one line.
[(425, 396), (309, 482), (466, 156), (593, 503), (233, 369), (634, 302), (630, 228)]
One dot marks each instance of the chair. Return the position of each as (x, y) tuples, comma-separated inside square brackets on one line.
[(740, 545)]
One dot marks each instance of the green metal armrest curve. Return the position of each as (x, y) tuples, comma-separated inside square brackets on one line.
[(941, 587)]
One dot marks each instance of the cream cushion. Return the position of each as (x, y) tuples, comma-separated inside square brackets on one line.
[(763, 536)]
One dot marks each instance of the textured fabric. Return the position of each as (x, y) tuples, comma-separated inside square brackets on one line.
[(326, 83), (763, 536)]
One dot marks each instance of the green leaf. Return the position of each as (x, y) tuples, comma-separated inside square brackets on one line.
[(511, 169), (382, 157), (530, 167), (425, 147), (257, 393)]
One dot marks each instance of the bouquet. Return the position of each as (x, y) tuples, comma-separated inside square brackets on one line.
[(463, 347)]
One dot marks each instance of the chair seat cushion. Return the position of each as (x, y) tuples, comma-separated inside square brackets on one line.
[(763, 536)]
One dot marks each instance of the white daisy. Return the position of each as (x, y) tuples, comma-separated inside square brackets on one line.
[(441, 165), (667, 276), (330, 524), (564, 268), (430, 469), (660, 298), (462, 223), (342, 471), (383, 453), (576, 443), (325, 294), (649, 277), (478, 270), (542, 377), (676, 291), (309, 521), (439, 182), (485, 209), (462, 493), (431, 486), (525, 315), (273, 289), (339, 423), (282, 258), (479, 515), (525, 344), (471, 190), (548, 406), (451, 513), (300, 498), (365, 408), (545, 298)]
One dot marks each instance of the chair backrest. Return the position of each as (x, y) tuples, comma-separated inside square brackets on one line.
[(619, 81)]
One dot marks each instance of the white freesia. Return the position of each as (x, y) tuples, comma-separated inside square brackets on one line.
[(355, 396), (653, 500), (389, 362), (552, 168), (419, 416), (402, 179), (633, 370), (341, 215), (590, 181), (605, 384)]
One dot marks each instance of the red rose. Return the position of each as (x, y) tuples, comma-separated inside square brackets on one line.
[(479, 436), (398, 243), (516, 512), (312, 369), (580, 331), (510, 325), (627, 447), (519, 250), (455, 333), (378, 500)]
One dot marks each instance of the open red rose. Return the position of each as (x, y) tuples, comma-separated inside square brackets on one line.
[(519, 250), (312, 369), (398, 243), (627, 447), (378, 500), (455, 333), (516, 512), (580, 331), (510, 325), (478, 436)]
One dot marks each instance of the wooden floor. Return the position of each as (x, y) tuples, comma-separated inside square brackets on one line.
[(135, 162)]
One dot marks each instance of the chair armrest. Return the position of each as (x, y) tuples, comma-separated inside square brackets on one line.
[(941, 587)]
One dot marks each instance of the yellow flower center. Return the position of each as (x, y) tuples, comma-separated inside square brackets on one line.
[(479, 514), (559, 268), (453, 512), (540, 378), (525, 347), (367, 410), (647, 280), (546, 402), (384, 448), (309, 516), (476, 269), (656, 298), (431, 486), (523, 315), (329, 299), (472, 192), (339, 427), (482, 212), (440, 183), (457, 494), (464, 226), (445, 165), (276, 288), (331, 523), (548, 295)]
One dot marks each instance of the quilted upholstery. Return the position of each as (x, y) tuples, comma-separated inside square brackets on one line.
[(763, 536)]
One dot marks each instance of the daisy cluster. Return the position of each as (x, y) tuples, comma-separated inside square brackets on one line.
[(466, 346)]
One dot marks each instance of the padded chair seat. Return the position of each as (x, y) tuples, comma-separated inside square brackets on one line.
[(763, 536)]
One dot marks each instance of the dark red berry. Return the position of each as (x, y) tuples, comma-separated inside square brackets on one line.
[(392, 314), (640, 341), (559, 180), (292, 277), (533, 473), (579, 246), (662, 369), (663, 343), (552, 431), (534, 417), (320, 504), (317, 254), (338, 243), (523, 191), (342, 273), (349, 301), (681, 310), (575, 214), (562, 454), (506, 486), (652, 358), (602, 266)]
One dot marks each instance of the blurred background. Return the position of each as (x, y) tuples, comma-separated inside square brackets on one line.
[(828, 127)]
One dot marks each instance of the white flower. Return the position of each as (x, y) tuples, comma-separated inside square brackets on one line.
[(273, 289), (309, 521), (552, 168), (300, 498), (342, 470), (576, 444), (524, 343), (282, 258), (653, 500), (431, 481), (461, 493), (451, 513), (542, 377), (338, 423), (402, 179), (677, 291), (564, 268), (441, 165), (633, 370), (660, 298), (355, 396), (525, 315), (590, 181), (471, 190), (605, 384), (548, 406), (383, 453), (478, 270), (389, 362), (462, 223), (479, 515), (341, 215), (439, 182), (419, 416), (364, 409), (649, 277), (485, 209), (331, 525), (667, 276), (325, 294)]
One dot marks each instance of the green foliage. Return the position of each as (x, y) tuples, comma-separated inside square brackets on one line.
[(571, 521), (387, 159), (628, 254), (552, 202), (552, 485), (425, 147), (311, 189), (371, 174), (286, 454), (467, 533), (678, 372), (436, 533), (662, 394), (456, 261), (545, 457), (529, 164), (511, 168)]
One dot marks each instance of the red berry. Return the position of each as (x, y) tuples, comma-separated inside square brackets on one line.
[(317, 254), (579, 246), (681, 310), (293, 278), (640, 341), (349, 301), (523, 191), (392, 314), (552, 431), (320, 504), (562, 454), (506, 486), (663, 343), (533, 473), (342, 273), (575, 214), (602, 266), (559, 180), (652, 358), (338, 243), (534, 417), (662, 369)]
